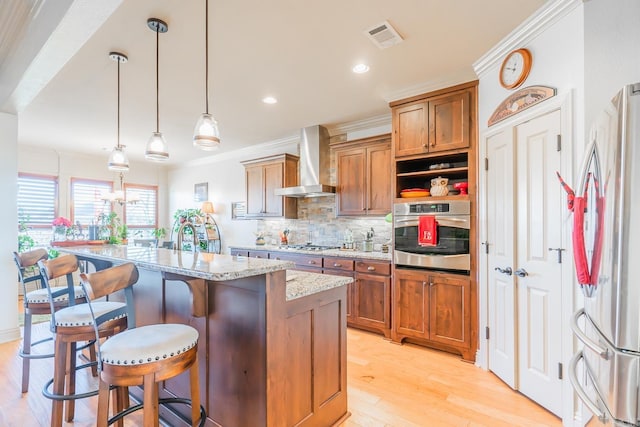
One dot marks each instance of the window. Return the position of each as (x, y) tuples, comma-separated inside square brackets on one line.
[(141, 217), (37, 196), (86, 202)]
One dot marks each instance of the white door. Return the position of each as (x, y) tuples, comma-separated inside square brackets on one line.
[(500, 232), (540, 213), (524, 213)]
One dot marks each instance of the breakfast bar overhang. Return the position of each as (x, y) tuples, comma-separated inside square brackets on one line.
[(272, 346)]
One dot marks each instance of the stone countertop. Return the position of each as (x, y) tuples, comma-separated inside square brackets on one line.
[(328, 252), (203, 265), (300, 283)]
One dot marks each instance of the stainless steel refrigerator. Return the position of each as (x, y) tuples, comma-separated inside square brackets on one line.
[(605, 373)]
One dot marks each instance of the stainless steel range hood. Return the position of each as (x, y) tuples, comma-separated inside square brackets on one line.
[(314, 165)]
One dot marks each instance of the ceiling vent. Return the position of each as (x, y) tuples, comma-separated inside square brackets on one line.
[(383, 35)]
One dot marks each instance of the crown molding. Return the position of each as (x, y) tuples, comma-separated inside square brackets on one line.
[(451, 79), (357, 125), (550, 13), (281, 144)]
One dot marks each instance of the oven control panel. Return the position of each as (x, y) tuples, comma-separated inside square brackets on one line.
[(453, 207), (428, 208)]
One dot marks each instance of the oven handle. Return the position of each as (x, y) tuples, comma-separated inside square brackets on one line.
[(584, 397), (442, 220)]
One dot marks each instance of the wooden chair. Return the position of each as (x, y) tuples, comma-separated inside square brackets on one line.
[(71, 325), (141, 356), (36, 301)]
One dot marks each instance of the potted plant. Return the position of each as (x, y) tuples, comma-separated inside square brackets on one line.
[(111, 228)]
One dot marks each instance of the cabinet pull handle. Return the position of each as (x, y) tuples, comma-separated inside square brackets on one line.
[(370, 268), (335, 264)]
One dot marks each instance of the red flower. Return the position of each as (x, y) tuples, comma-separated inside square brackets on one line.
[(61, 221)]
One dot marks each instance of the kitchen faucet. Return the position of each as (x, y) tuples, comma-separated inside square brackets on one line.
[(196, 243)]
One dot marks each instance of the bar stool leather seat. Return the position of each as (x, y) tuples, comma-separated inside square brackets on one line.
[(148, 344), (41, 296)]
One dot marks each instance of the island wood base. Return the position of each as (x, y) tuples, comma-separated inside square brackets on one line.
[(264, 361)]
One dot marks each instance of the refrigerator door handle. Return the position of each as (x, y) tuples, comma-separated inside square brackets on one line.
[(601, 351), (584, 397)]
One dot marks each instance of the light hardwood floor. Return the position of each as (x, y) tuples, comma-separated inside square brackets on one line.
[(388, 385)]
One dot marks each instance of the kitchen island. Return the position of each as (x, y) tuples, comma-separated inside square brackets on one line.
[(272, 346)]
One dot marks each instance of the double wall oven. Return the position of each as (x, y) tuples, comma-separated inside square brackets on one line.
[(449, 252)]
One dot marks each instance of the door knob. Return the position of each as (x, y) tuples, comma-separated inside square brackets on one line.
[(506, 271), (521, 272)]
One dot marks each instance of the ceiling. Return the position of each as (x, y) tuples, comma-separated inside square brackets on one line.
[(63, 84)]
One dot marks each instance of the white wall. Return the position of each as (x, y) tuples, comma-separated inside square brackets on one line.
[(225, 177), (67, 165), (612, 56), (557, 62), (8, 215)]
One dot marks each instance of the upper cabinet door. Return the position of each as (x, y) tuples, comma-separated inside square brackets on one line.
[(255, 190), (449, 121), (410, 134), (379, 180), (273, 178), (351, 179)]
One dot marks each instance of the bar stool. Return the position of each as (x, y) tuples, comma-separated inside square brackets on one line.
[(141, 356), (71, 325), (37, 302)]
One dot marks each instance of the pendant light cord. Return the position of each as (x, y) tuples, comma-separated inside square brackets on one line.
[(118, 119), (157, 80), (206, 55)]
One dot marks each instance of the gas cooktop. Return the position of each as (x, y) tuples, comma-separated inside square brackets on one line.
[(309, 247)]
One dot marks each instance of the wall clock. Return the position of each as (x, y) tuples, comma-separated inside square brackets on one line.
[(515, 68)]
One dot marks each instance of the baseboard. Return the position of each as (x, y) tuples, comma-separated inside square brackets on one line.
[(9, 335)]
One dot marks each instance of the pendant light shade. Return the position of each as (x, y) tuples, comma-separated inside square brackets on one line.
[(206, 135), (157, 148), (118, 160)]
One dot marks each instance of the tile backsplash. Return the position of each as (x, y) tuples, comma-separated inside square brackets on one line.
[(317, 223)]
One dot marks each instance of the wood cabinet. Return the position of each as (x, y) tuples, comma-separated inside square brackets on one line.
[(369, 296), (435, 308), (262, 177), (363, 176), (311, 262), (437, 123), (435, 135)]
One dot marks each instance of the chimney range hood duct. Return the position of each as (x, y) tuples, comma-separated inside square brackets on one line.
[(314, 165)]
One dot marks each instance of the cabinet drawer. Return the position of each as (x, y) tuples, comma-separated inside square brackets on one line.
[(338, 264), (299, 259), (374, 267), (259, 254), (239, 252)]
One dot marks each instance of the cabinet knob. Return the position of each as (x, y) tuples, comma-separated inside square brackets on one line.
[(430, 283), (424, 283), (337, 265), (370, 268), (424, 145), (312, 262)]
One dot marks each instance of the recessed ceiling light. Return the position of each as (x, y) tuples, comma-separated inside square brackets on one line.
[(269, 100), (360, 68)]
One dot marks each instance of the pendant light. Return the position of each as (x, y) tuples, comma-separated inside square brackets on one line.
[(118, 160), (206, 135), (157, 146)]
